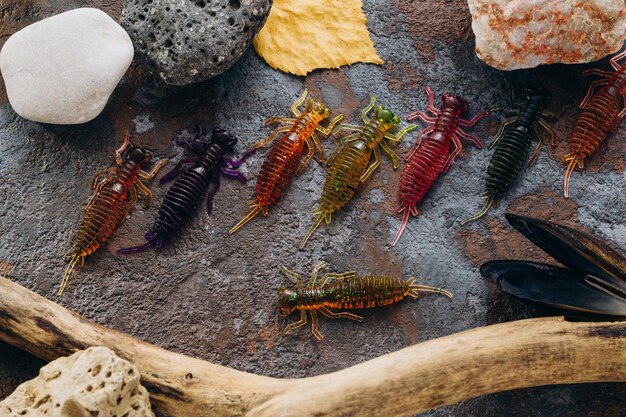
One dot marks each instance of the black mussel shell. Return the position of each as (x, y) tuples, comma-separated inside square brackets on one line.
[(582, 253), (558, 289)]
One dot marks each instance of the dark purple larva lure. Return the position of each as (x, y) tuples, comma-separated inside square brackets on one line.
[(182, 199)]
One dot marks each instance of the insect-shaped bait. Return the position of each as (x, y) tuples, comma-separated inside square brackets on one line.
[(116, 193), (285, 157), (348, 167), (592, 286), (602, 113), (344, 291), (431, 157), (513, 145), (183, 197)]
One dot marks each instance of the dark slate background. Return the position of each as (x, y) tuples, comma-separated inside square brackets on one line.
[(212, 296)]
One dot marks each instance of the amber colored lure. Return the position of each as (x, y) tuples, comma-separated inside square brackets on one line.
[(116, 193), (431, 157), (348, 167), (345, 291), (285, 158), (602, 113)]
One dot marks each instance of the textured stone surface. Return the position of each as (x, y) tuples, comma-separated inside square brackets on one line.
[(213, 296), (63, 69), (512, 34), (92, 382), (186, 41)]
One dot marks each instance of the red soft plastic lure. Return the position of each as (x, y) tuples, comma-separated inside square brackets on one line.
[(427, 160)]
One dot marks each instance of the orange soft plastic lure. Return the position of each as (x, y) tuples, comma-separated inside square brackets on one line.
[(602, 113), (285, 158), (349, 165), (116, 193), (344, 291)]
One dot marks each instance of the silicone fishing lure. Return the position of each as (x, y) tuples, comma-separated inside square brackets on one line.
[(285, 157), (513, 146), (432, 156), (183, 197), (348, 166), (344, 291), (602, 113), (116, 193)]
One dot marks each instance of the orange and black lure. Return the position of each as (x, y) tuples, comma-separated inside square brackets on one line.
[(285, 158), (602, 113), (344, 291), (116, 193)]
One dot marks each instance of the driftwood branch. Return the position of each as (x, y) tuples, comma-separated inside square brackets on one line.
[(442, 371)]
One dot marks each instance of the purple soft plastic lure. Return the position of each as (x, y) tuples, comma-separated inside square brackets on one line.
[(183, 198)]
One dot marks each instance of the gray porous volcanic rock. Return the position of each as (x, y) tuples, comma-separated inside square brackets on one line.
[(92, 382), (187, 41)]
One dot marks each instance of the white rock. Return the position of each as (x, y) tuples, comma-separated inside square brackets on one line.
[(64, 68), (92, 382), (512, 34)]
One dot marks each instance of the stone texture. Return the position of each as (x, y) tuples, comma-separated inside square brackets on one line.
[(213, 296), (63, 69), (186, 41), (93, 382), (512, 34)]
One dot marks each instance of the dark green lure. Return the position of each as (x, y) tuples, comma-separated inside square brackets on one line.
[(513, 143)]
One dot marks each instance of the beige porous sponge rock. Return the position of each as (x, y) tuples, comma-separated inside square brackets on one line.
[(512, 34), (89, 383)]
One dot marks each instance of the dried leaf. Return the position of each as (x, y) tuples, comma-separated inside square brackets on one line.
[(302, 35)]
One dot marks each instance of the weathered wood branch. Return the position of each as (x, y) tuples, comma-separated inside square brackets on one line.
[(442, 371)]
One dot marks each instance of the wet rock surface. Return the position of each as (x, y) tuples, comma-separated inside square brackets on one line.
[(188, 41), (214, 296)]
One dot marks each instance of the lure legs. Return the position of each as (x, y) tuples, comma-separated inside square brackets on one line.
[(313, 283), (214, 189), (290, 121), (175, 171), (119, 151)]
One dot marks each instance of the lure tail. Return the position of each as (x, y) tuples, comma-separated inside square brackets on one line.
[(416, 289), (405, 219), (153, 239), (568, 174), (320, 217), (488, 203), (68, 272), (256, 209)]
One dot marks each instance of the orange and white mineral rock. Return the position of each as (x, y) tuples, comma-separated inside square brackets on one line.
[(512, 34)]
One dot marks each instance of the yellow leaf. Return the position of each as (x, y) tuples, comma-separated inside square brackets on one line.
[(302, 35)]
